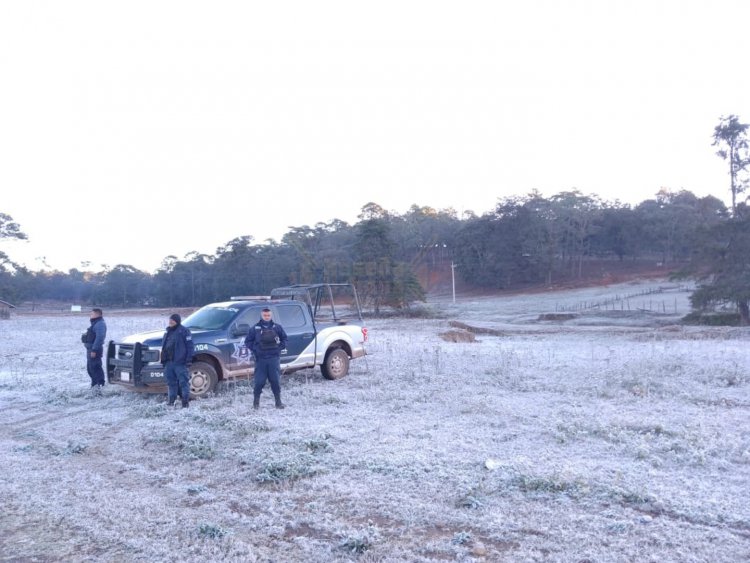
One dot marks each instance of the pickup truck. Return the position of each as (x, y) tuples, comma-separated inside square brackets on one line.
[(323, 323)]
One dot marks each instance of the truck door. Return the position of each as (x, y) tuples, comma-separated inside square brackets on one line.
[(237, 357), (299, 330)]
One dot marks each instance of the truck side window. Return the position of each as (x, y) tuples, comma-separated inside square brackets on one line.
[(291, 316), (250, 316)]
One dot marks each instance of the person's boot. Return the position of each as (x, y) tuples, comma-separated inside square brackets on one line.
[(256, 402), (170, 401), (279, 404), (185, 404)]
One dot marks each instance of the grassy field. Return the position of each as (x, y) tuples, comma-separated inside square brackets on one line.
[(614, 435)]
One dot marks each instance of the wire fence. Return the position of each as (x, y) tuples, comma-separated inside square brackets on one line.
[(643, 300)]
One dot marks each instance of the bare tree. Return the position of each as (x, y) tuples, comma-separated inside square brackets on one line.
[(731, 136)]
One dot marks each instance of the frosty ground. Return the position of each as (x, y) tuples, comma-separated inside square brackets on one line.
[(615, 435)]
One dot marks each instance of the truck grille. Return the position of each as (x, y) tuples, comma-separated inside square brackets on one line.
[(125, 352)]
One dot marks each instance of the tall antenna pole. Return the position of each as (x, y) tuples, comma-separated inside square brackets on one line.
[(453, 280)]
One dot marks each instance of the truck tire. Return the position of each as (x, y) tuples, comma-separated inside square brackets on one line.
[(336, 364), (203, 379)]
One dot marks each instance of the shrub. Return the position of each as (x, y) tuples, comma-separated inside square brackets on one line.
[(212, 531), (319, 444), (712, 319), (76, 448), (198, 447), (356, 545), (150, 410), (553, 484), (470, 499), (461, 538), (277, 471), (419, 312)]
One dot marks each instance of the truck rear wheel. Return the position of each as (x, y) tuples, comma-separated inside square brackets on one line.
[(336, 364), (203, 379)]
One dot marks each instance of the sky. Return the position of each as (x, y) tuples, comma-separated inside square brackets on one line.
[(134, 131)]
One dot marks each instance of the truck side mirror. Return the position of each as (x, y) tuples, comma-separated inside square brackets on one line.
[(241, 329)]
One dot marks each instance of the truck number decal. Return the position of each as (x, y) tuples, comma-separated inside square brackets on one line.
[(200, 347)]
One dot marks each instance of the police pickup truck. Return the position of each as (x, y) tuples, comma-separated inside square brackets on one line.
[(323, 323)]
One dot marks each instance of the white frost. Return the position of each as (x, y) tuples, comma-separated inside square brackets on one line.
[(608, 438)]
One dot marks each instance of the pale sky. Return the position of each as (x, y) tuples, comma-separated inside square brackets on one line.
[(131, 131)]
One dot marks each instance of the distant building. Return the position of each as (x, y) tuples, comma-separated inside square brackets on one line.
[(5, 308)]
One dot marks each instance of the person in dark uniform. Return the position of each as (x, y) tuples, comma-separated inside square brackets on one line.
[(176, 356), (265, 341), (93, 340)]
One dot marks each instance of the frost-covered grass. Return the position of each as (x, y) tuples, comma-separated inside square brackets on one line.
[(619, 439)]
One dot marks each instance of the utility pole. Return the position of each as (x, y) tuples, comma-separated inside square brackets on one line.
[(453, 280)]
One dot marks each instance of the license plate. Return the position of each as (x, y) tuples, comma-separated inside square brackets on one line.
[(124, 376)]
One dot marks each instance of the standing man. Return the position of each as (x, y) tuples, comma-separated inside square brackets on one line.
[(176, 356), (266, 340), (94, 342)]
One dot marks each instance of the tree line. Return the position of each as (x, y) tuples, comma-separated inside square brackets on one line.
[(524, 241)]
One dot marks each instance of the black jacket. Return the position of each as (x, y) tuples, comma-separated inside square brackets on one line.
[(177, 345), (95, 335), (253, 340)]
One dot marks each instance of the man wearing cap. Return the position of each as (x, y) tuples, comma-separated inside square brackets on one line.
[(176, 356), (93, 340), (266, 340)]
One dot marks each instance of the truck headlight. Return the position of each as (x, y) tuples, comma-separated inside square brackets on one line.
[(150, 355)]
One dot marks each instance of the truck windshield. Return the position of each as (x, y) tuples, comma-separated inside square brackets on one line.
[(210, 318)]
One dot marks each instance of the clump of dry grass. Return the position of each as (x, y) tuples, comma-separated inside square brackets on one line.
[(557, 317), (477, 329), (458, 336)]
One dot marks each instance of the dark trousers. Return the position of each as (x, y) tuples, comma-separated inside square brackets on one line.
[(178, 381), (94, 367), (267, 369)]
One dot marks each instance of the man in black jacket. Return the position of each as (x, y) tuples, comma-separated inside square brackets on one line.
[(266, 340), (93, 340), (176, 356)]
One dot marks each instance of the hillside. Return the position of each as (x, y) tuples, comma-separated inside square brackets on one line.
[(436, 278)]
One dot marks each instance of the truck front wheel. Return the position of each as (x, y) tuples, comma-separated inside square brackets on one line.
[(203, 379), (336, 364)]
